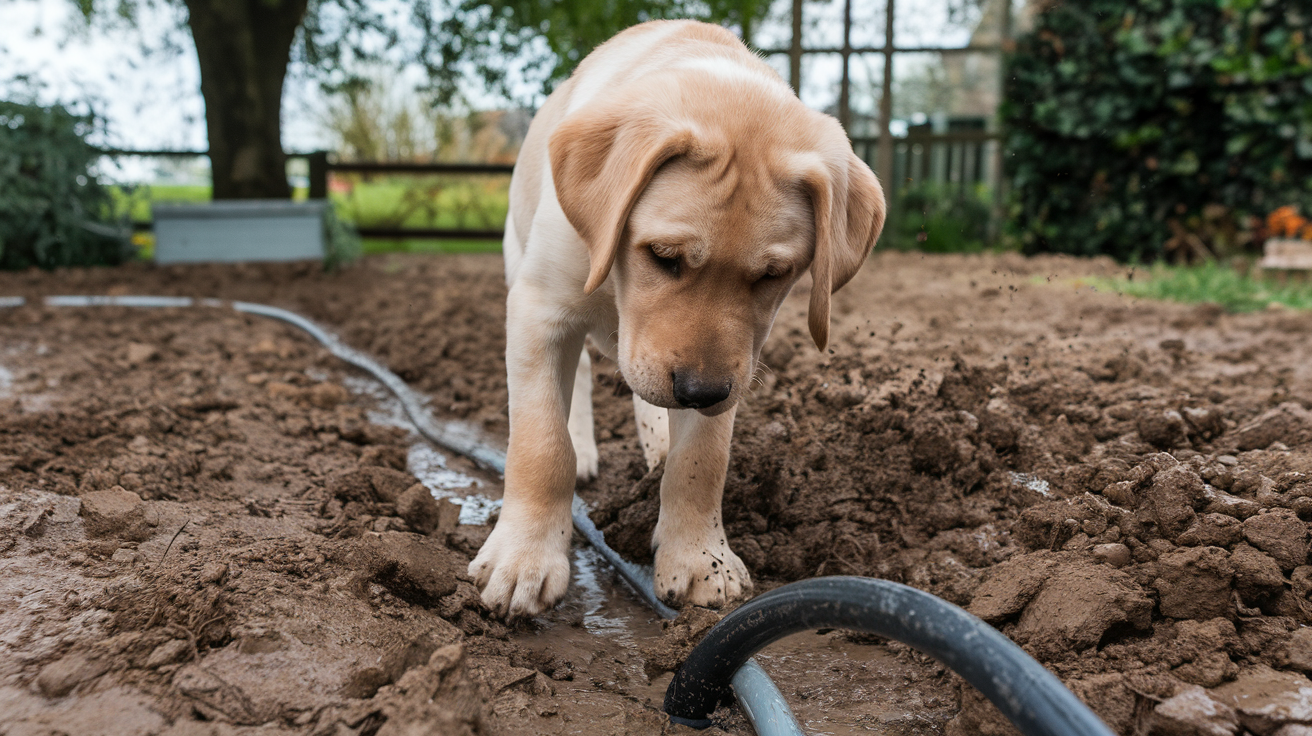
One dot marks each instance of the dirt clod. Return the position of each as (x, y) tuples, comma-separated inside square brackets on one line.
[(139, 353), (678, 639), (1266, 699), (1078, 604), (1195, 583), (1112, 553), (419, 509), (1192, 712), (1172, 496), (1212, 530), (1299, 655), (214, 573), (1010, 587), (1281, 534), (58, 678), (115, 512), (1257, 576), (1289, 423), (169, 652), (412, 567)]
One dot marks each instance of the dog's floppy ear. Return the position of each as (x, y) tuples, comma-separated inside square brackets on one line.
[(849, 214), (602, 158)]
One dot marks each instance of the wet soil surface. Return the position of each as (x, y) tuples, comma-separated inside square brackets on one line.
[(209, 525)]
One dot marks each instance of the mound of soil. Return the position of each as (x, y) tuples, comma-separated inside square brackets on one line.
[(203, 531), (202, 524), (1123, 488)]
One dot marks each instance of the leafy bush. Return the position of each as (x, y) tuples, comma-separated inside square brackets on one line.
[(341, 241), (939, 219), (1143, 128), (53, 211)]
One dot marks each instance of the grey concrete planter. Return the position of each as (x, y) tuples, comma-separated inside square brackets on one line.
[(240, 230)]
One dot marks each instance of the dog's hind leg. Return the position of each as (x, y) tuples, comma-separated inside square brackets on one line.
[(653, 431), (581, 432)]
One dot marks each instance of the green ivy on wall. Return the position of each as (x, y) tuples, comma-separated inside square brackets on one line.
[(1149, 128)]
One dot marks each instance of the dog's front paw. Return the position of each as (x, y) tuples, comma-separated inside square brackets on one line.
[(586, 457), (523, 569), (699, 573)]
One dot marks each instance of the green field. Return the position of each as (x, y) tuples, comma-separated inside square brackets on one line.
[(136, 201), (420, 245), (430, 202), (475, 203), (1212, 282)]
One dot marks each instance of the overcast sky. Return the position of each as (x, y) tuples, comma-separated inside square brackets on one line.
[(152, 100)]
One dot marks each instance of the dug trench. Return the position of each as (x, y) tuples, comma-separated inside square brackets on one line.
[(209, 525)]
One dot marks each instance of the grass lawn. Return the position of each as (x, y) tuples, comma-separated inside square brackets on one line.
[(430, 201), (1212, 282), (471, 202), (136, 201), (375, 245)]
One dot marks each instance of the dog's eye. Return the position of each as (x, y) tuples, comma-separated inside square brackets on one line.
[(667, 259), (773, 273)]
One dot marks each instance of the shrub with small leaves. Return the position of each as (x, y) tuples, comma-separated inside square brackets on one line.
[(1149, 128), (53, 211), (937, 218)]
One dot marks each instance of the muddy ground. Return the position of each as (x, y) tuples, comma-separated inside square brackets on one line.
[(208, 525)]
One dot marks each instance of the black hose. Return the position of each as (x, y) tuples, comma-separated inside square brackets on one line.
[(1033, 699)]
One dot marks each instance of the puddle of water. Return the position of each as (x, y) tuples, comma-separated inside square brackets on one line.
[(423, 461), (840, 688), (429, 466), (597, 627), (6, 382), (599, 618)]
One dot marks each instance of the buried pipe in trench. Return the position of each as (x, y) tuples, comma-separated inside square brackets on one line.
[(1026, 693)]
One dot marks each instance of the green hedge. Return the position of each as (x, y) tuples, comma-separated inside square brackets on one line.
[(1144, 128), (53, 211)]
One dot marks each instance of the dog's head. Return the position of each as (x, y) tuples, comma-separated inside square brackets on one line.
[(705, 205)]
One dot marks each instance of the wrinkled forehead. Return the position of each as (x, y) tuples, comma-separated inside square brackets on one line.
[(722, 202)]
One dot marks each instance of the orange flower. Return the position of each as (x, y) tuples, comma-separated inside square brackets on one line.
[(1275, 222), (1294, 225), (1306, 234), (1286, 222)]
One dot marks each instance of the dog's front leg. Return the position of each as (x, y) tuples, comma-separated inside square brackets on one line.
[(523, 567), (693, 561)]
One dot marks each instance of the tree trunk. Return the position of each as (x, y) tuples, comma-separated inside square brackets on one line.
[(244, 47)]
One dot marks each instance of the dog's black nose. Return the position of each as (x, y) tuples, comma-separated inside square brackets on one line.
[(696, 391)]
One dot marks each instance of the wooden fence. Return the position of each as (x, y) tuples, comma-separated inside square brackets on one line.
[(955, 160)]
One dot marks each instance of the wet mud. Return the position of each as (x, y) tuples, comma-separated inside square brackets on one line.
[(209, 525)]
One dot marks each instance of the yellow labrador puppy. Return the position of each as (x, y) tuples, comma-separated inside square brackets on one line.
[(666, 199)]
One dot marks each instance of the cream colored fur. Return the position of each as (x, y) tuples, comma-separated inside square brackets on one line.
[(666, 199)]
